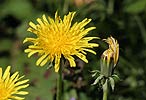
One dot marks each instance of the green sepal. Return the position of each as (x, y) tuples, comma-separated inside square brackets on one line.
[(105, 85), (50, 65), (95, 72), (112, 83), (98, 79), (115, 77), (106, 67)]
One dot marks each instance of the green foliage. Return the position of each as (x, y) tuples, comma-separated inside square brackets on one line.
[(123, 19), (135, 7)]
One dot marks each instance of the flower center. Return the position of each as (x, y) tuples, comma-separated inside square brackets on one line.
[(56, 44), (4, 94)]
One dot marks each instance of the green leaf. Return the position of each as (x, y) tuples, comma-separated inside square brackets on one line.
[(136, 7), (112, 83)]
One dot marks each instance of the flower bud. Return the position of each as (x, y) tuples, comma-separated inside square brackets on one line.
[(109, 57)]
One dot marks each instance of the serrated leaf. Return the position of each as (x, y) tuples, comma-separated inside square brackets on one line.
[(112, 83)]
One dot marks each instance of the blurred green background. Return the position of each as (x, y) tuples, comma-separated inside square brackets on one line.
[(125, 20)]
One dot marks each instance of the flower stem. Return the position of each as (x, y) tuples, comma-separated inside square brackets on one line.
[(105, 90), (59, 82)]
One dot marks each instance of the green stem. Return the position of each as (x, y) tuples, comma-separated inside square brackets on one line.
[(59, 82), (105, 90)]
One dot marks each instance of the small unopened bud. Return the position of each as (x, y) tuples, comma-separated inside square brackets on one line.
[(109, 57)]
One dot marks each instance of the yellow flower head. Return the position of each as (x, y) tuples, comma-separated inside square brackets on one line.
[(112, 51), (58, 37), (10, 85)]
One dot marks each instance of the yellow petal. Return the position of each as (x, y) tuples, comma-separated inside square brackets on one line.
[(68, 19), (44, 61), (51, 21), (90, 51), (71, 61), (20, 77), (41, 59), (84, 22), (45, 19), (93, 45), (7, 79), (17, 98), (85, 32), (13, 78), (32, 30), (32, 52), (83, 52), (14, 75), (32, 25), (57, 18), (90, 38), (21, 82), (82, 57), (6, 73), (21, 87), (27, 50), (34, 47), (13, 81), (40, 22), (1, 73), (22, 93), (29, 39)]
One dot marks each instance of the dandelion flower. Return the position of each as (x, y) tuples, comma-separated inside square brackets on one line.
[(10, 85), (56, 38), (112, 51)]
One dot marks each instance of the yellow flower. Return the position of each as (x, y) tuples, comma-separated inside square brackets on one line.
[(10, 85), (56, 38), (112, 51)]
